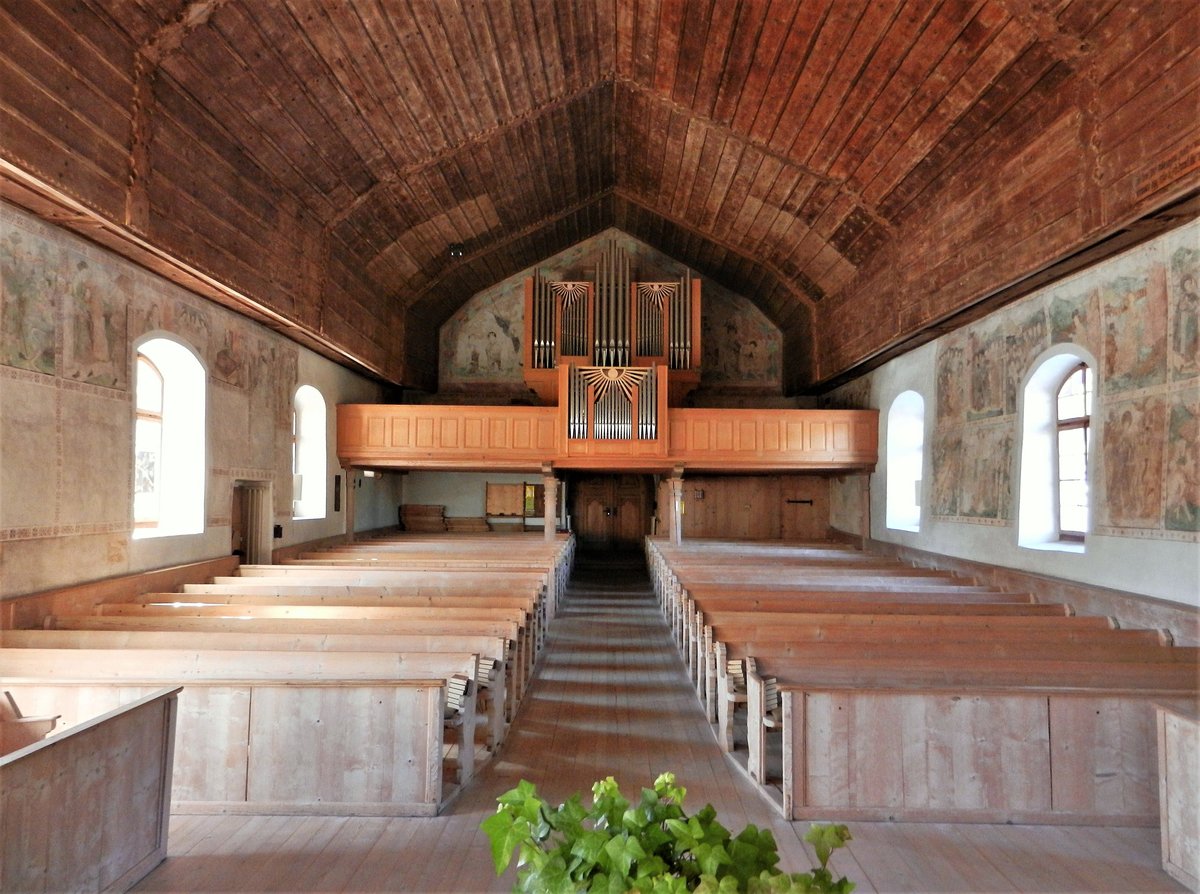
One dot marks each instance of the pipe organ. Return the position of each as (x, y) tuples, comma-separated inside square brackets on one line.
[(612, 403), (614, 329)]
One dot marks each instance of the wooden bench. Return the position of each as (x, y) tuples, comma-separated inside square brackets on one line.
[(240, 710), (524, 652), (87, 809), (853, 629), (694, 647), (490, 651), (884, 739)]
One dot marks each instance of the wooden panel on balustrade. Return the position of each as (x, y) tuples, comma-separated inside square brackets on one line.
[(446, 436), (717, 439)]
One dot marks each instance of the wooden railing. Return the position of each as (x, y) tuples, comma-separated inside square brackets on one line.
[(530, 438)]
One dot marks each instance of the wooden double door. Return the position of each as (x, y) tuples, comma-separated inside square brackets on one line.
[(611, 511)]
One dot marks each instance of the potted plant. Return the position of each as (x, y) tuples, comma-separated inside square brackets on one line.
[(652, 847)]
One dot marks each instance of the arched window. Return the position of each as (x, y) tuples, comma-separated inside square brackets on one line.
[(168, 442), (905, 457), (1074, 407), (308, 453), (1056, 414)]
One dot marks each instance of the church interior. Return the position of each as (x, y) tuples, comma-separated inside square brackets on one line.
[(399, 399)]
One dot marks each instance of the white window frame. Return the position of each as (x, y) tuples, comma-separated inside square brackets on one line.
[(1038, 501), (309, 454), (182, 473), (905, 459)]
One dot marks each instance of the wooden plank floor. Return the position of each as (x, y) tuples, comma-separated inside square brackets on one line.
[(611, 698)]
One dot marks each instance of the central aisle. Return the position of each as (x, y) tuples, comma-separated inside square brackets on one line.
[(612, 698)]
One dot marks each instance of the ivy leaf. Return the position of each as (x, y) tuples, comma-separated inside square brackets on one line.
[(711, 857), (826, 838), (499, 829)]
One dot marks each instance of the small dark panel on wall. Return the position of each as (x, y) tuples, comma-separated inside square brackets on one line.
[(278, 532), (337, 493)]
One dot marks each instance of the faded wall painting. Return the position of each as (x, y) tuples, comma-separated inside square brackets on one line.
[(34, 275), (481, 342), (95, 331), (1182, 481), (951, 378), (1135, 330), (985, 483), (741, 348), (1139, 316), (70, 316), (1183, 294), (480, 345), (1133, 445)]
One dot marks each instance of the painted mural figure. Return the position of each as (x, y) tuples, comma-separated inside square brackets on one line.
[(28, 307), (495, 360), (1185, 339), (1182, 484)]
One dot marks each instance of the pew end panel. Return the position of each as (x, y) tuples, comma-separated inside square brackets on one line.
[(361, 747), (88, 808), (1178, 744), (1002, 756)]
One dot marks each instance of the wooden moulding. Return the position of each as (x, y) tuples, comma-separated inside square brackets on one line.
[(87, 809)]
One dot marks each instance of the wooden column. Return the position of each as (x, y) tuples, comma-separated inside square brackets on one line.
[(550, 506), (677, 510)]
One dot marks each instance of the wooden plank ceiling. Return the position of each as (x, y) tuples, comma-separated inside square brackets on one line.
[(321, 155)]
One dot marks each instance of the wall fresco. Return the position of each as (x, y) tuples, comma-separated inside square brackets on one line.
[(946, 461), (71, 312), (985, 481), (1137, 314), (1133, 446), (1182, 480), (951, 376), (1184, 302), (95, 331), (985, 356), (1135, 331), (1029, 339), (481, 343), (34, 275), (741, 348)]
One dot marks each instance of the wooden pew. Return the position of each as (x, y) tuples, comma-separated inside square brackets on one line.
[(87, 809), (531, 604), (692, 644), (928, 697), (434, 633), (491, 647), (972, 741), (322, 709), (952, 645), (524, 653)]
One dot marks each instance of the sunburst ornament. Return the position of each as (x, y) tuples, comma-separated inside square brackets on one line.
[(569, 292), (656, 292), (604, 378)]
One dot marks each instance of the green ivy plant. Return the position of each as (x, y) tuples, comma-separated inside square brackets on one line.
[(652, 847)]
